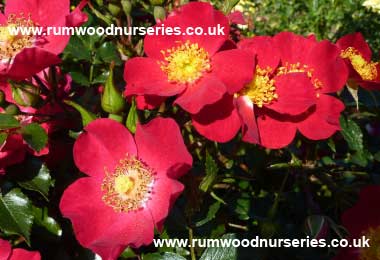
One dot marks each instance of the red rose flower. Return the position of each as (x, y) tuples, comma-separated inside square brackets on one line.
[(24, 55), (363, 219), (357, 54), (6, 252), (190, 66), (131, 184), (288, 90)]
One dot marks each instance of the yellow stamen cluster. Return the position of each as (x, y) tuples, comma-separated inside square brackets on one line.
[(185, 63), (10, 44), (372, 252), (261, 90), (298, 67), (130, 185), (366, 70)]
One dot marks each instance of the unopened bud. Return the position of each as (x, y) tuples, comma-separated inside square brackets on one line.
[(159, 13), (114, 9), (127, 7), (113, 101), (12, 109), (25, 94)]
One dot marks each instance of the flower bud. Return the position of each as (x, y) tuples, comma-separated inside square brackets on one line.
[(12, 109), (316, 226), (127, 7), (112, 99), (114, 9), (159, 13), (100, 2), (25, 94)]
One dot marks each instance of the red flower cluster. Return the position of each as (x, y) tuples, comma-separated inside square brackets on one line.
[(6, 252), (268, 87), (131, 184), (363, 219)]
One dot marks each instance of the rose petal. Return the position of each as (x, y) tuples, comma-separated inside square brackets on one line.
[(145, 77), (324, 122), (102, 145), (160, 145), (219, 122), (295, 94), (275, 134), (235, 75), (246, 112), (207, 90)]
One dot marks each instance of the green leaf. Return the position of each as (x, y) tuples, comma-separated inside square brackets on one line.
[(211, 171), (101, 79), (35, 136), (163, 256), (132, 118), (221, 253), (77, 49), (108, 53), (41, 182), (128, 253), (87, 116), (79, 78), (352, 134), (42, 219), (214, 208), (3, 138), (16, 214), (8, 122)]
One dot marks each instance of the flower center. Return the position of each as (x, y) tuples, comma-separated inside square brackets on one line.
[(299, 68), (129, 187), (366, 70), (372, 252), (261, 90), (185, 63), (11, 44)]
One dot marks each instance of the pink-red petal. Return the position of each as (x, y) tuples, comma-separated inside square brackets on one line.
[(29, 62), (145, 77), (324, 121), (208, 90), (6, 249), (246, 111), (22, 254), (295, 94), (219, 122), (268, 56), (165, 192), (328, 67), (160, 145), (234, 67), (275, 134), (102, 145), (97, 226)]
